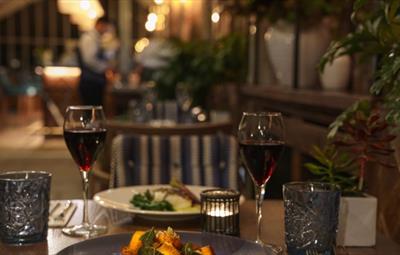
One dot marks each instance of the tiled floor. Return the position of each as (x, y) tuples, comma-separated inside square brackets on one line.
[(23, 147)]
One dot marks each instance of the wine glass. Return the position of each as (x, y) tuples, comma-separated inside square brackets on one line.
[(84, 134), (261, 140)]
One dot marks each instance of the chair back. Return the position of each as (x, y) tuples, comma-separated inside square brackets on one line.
[(209, 160)]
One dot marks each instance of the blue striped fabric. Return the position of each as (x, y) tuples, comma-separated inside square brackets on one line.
[(209, 160)]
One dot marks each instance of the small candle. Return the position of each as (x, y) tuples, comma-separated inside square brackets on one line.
[(220, 211)]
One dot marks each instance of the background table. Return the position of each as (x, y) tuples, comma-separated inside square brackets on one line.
[(273, 230)]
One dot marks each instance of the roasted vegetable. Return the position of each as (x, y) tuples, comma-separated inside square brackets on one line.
[(162, 243), (168, 249), (206, 250), (136, 243)]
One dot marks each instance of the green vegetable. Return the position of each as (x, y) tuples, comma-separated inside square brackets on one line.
[(187, 249), (146, 202), (148, 237), (148, 250), (148, 240)]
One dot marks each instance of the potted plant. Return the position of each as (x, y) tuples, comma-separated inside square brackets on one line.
[(202, 65), (365, 139), (230, 71), (336, 74), (190, 64), (315, 17), (376, 35)]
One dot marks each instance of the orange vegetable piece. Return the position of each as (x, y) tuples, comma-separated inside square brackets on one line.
[(169, 237), (136, 243), (206, 250), (126, 251), (168, 249)]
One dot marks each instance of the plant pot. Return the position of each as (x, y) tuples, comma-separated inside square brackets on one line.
[(336, 75), (280, 47), (357, 221)]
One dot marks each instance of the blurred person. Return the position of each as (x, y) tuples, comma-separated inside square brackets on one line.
[(94, 62)]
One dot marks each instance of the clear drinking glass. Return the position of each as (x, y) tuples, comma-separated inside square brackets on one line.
[(261, 140), (24, 203), (311, 217), (84, 134)]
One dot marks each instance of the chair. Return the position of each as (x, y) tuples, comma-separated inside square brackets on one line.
[(101, 174), (208, 160)]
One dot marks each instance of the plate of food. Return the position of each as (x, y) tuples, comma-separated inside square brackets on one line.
[(166, 242), (157, 202)]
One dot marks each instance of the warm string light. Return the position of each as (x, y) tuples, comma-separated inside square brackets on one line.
[(215, 17), (159, 2), (216, 14), (82, 12), (157, 17), (141, 44)]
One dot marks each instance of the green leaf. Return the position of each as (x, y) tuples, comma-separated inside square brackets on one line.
[(145, 201), (187, 249), (315, 169), (358, 4), (148, 237)]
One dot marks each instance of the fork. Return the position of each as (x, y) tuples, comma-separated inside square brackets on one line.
[(55, 207), (311, 252), (62, 214)]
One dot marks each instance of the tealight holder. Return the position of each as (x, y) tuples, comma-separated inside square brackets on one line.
[(220, 211)]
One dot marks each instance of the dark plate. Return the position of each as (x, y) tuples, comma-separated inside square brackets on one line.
[(222, 245)]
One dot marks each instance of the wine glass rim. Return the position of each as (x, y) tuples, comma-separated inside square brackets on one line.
[(261, 114), (85, 107)]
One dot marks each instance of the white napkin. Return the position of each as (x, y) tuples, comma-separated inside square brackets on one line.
[(56, 211)]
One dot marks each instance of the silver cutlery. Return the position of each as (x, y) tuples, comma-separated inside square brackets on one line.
[(55, 207), (311, 252), (64, 211)]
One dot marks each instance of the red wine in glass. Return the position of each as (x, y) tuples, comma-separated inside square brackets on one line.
[(261, 140), (84, 134), (84, 145), (260, 158)]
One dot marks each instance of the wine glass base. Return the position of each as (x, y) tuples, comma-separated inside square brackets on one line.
[(85, 230), (270, 248)]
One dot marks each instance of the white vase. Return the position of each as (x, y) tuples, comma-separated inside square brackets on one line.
[(280, 46), (336, 75), (357, 221)]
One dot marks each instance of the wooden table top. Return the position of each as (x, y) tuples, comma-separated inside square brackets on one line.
[(273, 230)]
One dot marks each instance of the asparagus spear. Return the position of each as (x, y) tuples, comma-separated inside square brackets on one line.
[(182, 188)]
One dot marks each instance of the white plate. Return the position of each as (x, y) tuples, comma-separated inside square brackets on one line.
[(119, 198)]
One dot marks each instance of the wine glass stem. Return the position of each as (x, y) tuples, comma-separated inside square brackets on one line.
[(85, 184), (260, 191)]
